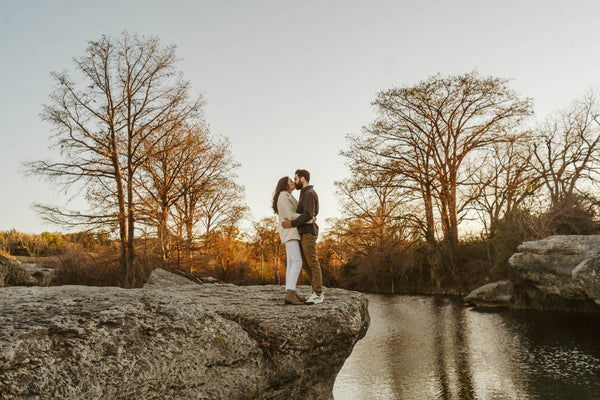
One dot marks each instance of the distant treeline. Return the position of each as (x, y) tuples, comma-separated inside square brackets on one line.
[(91, 258), (381, 264), (51, 244), (353, 255)]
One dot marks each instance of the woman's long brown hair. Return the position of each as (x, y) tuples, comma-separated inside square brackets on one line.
[(282, 185)]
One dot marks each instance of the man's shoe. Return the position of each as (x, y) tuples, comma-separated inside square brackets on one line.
[(314, 299), (290, 298)]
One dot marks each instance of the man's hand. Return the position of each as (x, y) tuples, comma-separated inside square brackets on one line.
[(286, 223)]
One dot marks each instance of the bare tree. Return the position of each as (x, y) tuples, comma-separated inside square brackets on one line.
[(209, 194), (266, 239), (159, 182), (128, 93), (377, 215), (375, 198), (370, 157), (503, 180), (566, 152), (426, 133), (221, 206)]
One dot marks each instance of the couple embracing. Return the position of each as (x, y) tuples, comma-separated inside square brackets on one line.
[(298, 230)]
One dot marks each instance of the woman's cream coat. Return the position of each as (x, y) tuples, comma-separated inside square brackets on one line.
[(286, 207)]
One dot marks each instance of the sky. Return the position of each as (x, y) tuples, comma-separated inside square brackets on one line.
[(286, 81)]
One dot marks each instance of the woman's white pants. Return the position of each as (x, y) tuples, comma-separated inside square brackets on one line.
[(294, 264)]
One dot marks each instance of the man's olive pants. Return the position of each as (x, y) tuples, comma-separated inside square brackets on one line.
[(310, 262)]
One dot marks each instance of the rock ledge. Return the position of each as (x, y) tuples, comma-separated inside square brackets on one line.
[(174, 339)]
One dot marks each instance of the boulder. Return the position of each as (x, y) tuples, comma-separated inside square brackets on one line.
[(174, 339), (13, 273), (555, 273), (587, 276), (492, 295), (563, 266)]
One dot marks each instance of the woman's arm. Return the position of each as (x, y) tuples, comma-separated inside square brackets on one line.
[(286, 207)]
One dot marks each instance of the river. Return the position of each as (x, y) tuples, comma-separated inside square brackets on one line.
[(431, 347)]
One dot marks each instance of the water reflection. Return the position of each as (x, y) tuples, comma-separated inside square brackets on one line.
[(451, 349), (433, 348), (440, 353)]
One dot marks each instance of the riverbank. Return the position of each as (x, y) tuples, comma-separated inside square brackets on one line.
[(555, 273)]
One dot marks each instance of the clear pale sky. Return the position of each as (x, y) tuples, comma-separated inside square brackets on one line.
[(285, 81)]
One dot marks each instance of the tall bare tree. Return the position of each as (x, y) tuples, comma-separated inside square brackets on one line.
[(377, 216), (128, 92), (426, 133), (376, 198)]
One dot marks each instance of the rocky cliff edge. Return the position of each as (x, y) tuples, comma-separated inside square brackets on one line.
[(174, 339)]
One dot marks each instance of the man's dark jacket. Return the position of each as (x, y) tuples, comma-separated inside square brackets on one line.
[(308, 208)]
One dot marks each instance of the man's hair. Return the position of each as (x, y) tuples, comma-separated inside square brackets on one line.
[(302, 173)]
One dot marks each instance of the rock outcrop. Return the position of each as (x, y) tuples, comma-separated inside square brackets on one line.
[(13, 273), (558, 272), (173, 339), (492, 295)]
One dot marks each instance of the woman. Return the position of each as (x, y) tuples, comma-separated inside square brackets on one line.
[(284, 205)]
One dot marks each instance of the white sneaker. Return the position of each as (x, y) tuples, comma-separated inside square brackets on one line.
[(314, 299)]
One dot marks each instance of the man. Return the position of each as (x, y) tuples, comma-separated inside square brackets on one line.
[(308, 208)]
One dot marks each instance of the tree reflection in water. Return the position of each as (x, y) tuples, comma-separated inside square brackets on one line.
[(451, 349), (420, 347)]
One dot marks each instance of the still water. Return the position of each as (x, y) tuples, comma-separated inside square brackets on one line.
[(420, 347)]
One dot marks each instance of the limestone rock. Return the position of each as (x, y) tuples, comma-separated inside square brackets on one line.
[(174, 340), (555, 273), (551, 265), (5, 270), (563, 245), (174, 277), (209, 279), (492, 295), (13, 273), (162, 278), (587, 276)]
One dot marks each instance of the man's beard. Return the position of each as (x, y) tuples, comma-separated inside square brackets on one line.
[(299, 186)]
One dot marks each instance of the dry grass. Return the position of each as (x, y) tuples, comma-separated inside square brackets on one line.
[(79, 267)]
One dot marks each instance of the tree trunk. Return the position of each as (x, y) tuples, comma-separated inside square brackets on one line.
[(122, 218), (452, 216), (163, 232), (189, 228), (131, 280), (430, 229), (123, 247)]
